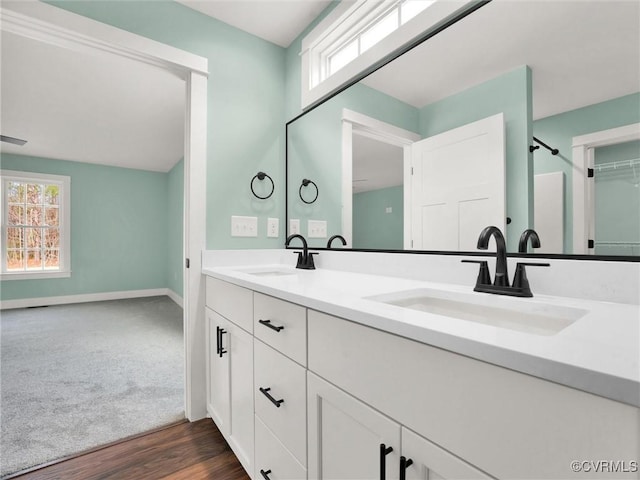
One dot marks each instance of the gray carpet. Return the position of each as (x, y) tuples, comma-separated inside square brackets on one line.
[(77, 376)]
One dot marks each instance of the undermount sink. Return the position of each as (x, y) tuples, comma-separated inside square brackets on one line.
[(522, 315), (268, 271)]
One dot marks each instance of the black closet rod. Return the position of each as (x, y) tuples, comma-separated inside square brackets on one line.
[(554, 151)]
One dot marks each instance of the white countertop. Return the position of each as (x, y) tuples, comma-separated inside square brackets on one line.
[(598, 353)]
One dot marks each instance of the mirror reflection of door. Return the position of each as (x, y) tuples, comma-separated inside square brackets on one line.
[(458, 186), (378, 209), (617, 199)]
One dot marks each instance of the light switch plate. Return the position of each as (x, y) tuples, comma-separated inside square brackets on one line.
[(317, 228), (273, 225), (294, 226), (244, 226)]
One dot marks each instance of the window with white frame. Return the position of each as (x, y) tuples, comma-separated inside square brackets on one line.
[(359, 33), (35, 225)]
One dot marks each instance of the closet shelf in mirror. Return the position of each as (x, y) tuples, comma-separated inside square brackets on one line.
[(633, 162)]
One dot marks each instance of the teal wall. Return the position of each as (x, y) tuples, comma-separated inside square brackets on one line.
[(175, 227), (510, 94), (617, 200), (559, 130), (373, 227), (315, 151), (119, 226), (246, 99)]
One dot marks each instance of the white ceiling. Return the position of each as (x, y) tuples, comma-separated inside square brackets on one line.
[(278, 21), (94, 108), (376, 164)]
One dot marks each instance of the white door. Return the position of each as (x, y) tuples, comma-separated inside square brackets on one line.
[(218, 395), (430, 462), (457, 186), (345, 436)]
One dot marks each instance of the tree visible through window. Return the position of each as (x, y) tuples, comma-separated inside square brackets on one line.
[(33, 234)]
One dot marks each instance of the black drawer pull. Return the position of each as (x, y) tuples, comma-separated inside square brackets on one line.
[(265, 392), (221, 350), (264, 474), (384, 451), (404, 464), (267, 323), (217, 340)]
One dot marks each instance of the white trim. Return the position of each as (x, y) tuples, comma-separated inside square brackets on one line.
[(583, 198), (83, 298), (175, 297), (425, 22), (355, 123), (57, 26)]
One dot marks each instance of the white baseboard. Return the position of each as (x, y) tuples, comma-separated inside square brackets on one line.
[(89, 297)]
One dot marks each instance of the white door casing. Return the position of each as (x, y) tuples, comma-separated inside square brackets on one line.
[(457, 187), (354, 123), (49, 24), (583, 189)]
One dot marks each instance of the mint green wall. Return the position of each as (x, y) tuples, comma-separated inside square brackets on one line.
[(315, 151), (559, 130), (175, 226), (373, 227), (246, 99), (617, 201), (510, 94), (118, 229)]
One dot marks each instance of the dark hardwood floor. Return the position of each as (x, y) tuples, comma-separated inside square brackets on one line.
[(192, 451)]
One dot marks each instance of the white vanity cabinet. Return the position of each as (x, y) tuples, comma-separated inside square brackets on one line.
[(230, 366)]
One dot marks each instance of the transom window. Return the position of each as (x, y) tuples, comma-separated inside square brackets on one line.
[(35, 225), (378, 24)]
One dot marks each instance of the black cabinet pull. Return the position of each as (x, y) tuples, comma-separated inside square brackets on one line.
[(265, 392), (217, 340), (384, 451), (264, 474), (267, 323), (404, 464), (221, 350)]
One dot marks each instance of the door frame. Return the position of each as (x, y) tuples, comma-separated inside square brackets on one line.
[(355, 123), (55, 26), (583, 195)]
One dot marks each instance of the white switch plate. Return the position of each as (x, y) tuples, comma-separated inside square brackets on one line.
[(294, 226), (272, 227), (317, 228), (388, 210), (244, 226)]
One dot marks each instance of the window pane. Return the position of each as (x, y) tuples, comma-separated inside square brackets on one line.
[(33, 237), (34, 260), (15, 192), (411, 8), (51, 217), (15, 260), (34, 216), (34, 193), (343, 56), (15, 237), (379, 30), (51, 238), (51, 194), (15, 215), (51, 259)]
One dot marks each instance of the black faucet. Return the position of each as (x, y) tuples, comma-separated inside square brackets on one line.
[(500, 286), (305, 258), (344, 242)]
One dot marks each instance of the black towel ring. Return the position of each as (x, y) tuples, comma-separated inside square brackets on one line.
[(260, 176), (306, 182)]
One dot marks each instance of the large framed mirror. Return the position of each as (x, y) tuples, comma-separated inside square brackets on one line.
[(523, 114)]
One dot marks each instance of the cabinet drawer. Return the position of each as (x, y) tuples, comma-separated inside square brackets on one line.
[(282, 325), (232, 302), (285, 413), (273, 458)]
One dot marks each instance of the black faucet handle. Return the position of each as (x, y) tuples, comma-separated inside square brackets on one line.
[(484, 277), (528, 264), (520, 279)]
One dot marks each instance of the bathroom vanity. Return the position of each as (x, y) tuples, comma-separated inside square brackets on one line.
[(331, 373)]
